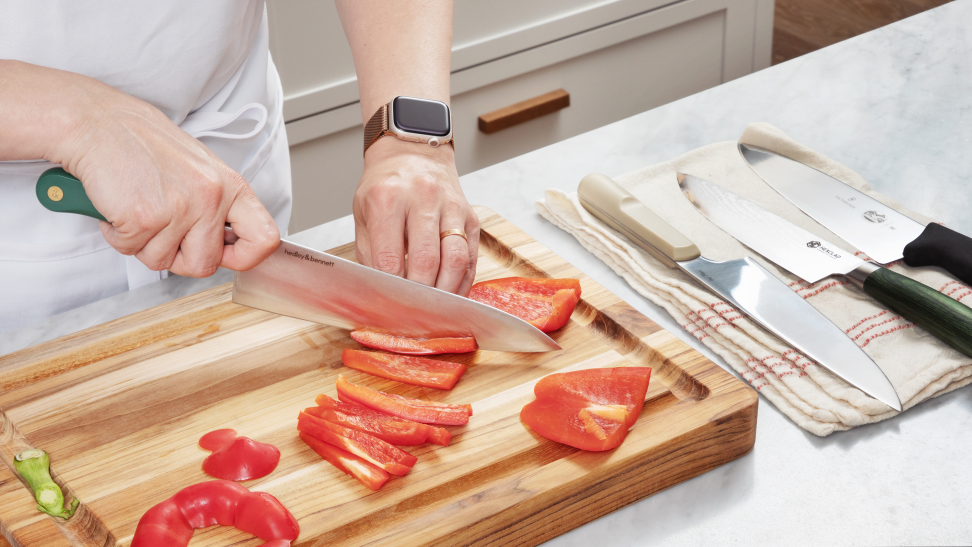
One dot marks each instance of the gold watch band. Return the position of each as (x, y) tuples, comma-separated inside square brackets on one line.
[(377, 127)]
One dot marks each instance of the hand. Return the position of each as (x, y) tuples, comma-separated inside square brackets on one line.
[(165, 194), (408, 195)]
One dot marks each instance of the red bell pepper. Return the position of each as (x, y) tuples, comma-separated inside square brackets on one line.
[(436, 435), (394, 430), (367, 447), (426, 412), (170, 523), (417, 371), (366, 473), (413, 346), (588, 409), (544, 303), (237, 458)]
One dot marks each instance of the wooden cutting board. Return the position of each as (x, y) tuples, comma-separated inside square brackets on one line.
[(120, 408)]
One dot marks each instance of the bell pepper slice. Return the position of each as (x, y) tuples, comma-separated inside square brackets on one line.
[(394, 431), (221, 502), (435, 435), (417, 371), (425, 412), (588, 409), (544, 303), (367, 447), (238, 458), (367, 474), (413, 346)]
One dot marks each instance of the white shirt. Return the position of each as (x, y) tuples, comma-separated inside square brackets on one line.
[(205, 65)]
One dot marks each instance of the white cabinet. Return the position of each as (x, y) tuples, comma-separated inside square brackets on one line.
[(615, 58)]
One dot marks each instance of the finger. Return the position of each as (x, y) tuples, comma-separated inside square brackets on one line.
[(454, 254), (472, 249), (130, 237), (258, 233), (362, 243), (386, 238), (160, 251), (423, 247), (201, 250)]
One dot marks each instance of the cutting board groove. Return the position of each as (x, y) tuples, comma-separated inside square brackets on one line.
[(121, 406)]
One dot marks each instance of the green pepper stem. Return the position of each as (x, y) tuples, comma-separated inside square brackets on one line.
[(34, 466)]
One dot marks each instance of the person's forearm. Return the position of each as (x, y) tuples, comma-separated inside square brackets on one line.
[(400, 47), (39, 110)]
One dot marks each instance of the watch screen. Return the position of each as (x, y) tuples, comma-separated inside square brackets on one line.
[(421, 116)]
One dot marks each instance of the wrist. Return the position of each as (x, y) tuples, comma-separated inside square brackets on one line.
[(389, 147)]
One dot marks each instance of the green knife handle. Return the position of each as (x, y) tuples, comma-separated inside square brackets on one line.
[(62, 193), (946, 319), (939, 246)]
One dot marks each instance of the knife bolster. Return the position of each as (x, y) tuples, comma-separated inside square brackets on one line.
[(939, 246), (859, 274)]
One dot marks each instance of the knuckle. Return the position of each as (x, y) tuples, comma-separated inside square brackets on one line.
[(424, 259), (388, 261), (456, 258)]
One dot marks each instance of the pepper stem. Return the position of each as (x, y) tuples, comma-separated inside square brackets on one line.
[(34, 466)]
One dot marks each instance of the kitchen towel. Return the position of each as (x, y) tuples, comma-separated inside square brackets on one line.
[(918, 365)]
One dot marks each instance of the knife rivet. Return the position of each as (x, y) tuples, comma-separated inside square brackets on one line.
[(55, 193)]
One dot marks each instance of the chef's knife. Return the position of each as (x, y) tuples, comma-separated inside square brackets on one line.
[(743, 283), (883, 233), (300, 282), (811, 258)]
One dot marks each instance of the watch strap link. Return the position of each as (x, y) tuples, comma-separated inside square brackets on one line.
[(376, 127)]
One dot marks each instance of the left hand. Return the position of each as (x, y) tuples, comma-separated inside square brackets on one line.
[(408, 195)]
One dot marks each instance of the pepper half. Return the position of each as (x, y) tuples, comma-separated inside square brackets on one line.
[(588, 409)]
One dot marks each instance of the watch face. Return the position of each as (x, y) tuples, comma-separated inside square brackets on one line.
[(421, 116)]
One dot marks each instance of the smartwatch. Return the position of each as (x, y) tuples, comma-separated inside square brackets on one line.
[(411, 119)]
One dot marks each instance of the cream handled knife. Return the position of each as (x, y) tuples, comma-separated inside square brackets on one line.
[(743, 283), (811, 258)]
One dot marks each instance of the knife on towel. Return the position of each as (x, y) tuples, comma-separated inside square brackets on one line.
[(811, 258), (307, 284), (743, 283), (883, 233)]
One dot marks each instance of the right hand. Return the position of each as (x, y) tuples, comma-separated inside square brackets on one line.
[(166, 196)]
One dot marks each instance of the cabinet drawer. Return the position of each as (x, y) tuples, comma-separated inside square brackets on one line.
[(605, 86)]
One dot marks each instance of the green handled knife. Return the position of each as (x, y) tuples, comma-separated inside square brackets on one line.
[(811, 258), (62, 192)]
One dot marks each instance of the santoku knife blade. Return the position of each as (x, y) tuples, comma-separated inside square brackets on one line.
[(883, 233), (812, 258), (743, 283)]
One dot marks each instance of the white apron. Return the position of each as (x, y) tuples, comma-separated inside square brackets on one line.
[(205, 65)]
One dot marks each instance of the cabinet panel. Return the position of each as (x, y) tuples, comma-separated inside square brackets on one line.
[(605, 86), (325, 173)]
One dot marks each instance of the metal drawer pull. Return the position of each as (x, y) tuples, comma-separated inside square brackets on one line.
[(524, 111)]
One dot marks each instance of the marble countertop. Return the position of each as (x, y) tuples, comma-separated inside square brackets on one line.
[(896, 106)]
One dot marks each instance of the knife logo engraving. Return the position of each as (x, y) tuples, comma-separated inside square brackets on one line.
[(875, 217), (847, 201), (816, 245), (302, 256)]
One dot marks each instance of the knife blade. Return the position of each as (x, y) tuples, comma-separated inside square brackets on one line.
[(300, 282), (812, 258), (743, 283), (883, 233)]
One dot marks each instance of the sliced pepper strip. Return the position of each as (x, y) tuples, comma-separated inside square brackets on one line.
[(413, 346), (426, 412), (435, 435), (588, 409), (544, 303), (417, 371), (367, 447), (367, 474), (394, 431), (205, 504)]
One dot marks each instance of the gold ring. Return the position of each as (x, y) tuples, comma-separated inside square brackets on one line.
[(453, 232)]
